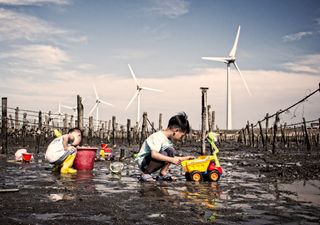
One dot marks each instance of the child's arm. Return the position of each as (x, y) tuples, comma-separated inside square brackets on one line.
[(65, 142), (156, 155), (183, 158)]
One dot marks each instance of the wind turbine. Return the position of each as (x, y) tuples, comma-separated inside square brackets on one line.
[(137, 93), (96, 105), (231, 59)]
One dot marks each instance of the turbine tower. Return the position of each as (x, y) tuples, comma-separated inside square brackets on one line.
[(96, 105), (137, 93), (231, 59)]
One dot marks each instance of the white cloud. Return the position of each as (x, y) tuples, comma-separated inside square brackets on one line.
[(15, 25), (40, 55), (170, 8), (297, 36), (305, 64), (34, 2)]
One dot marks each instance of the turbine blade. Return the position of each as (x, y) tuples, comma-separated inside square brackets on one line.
[(106, 103), (233, 51), (133, 75), (67, 107), (134, 96), (151, 89), (217, 59), (244, 81), (95, 91), (93, 108)]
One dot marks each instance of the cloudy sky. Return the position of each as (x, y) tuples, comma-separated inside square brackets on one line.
[(53, 50)]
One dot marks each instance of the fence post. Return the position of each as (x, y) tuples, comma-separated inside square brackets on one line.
[(213, 119), (128, 132), (248, 131), (267, 126), (160, 121), (4, 124), (113, 130), (261, 134), (144, 128), (209, 119), (90, 131), (203, 119), (16, 124), (79, 113), (306, 135), (252, 135), (275, 128)]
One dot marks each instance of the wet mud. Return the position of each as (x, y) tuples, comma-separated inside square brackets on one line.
[(256, 188)]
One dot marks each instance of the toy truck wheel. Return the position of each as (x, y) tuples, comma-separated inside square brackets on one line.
[(188, 176), (214, 175), (196, 176)]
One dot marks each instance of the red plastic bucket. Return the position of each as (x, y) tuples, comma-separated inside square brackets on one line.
[(85, 158), (26, 157)]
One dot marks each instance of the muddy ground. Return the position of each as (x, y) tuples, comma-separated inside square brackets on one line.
[(256, 188)]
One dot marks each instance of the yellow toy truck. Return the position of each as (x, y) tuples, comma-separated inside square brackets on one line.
[(205, 167)]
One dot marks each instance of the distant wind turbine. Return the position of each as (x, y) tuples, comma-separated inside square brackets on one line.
[(137, 93), (228, 61), (96, 105), (58, 114)]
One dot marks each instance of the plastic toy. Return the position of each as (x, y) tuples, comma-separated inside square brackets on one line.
[(205, 167), (105, 152)]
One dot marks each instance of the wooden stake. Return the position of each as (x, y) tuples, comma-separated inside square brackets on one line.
[(4, 125), (203, 119)]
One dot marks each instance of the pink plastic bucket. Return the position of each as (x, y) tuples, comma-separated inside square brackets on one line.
[(85, 158)]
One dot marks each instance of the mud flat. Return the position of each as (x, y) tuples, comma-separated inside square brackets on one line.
[(256, 188)]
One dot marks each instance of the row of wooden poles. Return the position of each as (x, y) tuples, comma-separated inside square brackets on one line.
[(41, 129), (282, 135)]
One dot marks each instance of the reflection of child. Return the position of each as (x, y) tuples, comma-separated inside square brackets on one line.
[(62, 150), (157, 152)]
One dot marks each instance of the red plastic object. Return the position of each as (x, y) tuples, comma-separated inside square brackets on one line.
[(26, 157), (85, 158)]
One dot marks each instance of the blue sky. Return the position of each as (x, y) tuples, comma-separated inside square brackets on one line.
[(53, 50)]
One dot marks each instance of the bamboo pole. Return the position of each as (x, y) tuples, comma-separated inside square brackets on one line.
[(267, 127), (128, 131), (306, 135), (261, 134), (275, 129), (16, 124), (80, 113), (210, 128), (160, 121), (213, 119), (203, 119), (113, 130), (144, 128), (4, 125)]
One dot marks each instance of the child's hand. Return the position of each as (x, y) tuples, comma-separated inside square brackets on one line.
[(191, 157), (176, 160)]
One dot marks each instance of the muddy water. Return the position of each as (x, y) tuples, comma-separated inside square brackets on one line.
[(243, 196)]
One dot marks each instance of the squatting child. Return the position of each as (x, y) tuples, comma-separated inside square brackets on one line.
[(62, 151), (157, 152)]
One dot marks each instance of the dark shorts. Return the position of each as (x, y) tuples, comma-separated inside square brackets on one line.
[(150, 165)]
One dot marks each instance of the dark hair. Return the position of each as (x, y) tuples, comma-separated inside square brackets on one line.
[(180, 121), (74, 129)]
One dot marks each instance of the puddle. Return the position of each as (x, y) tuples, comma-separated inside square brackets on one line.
[(241, 197), (303, 191)]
